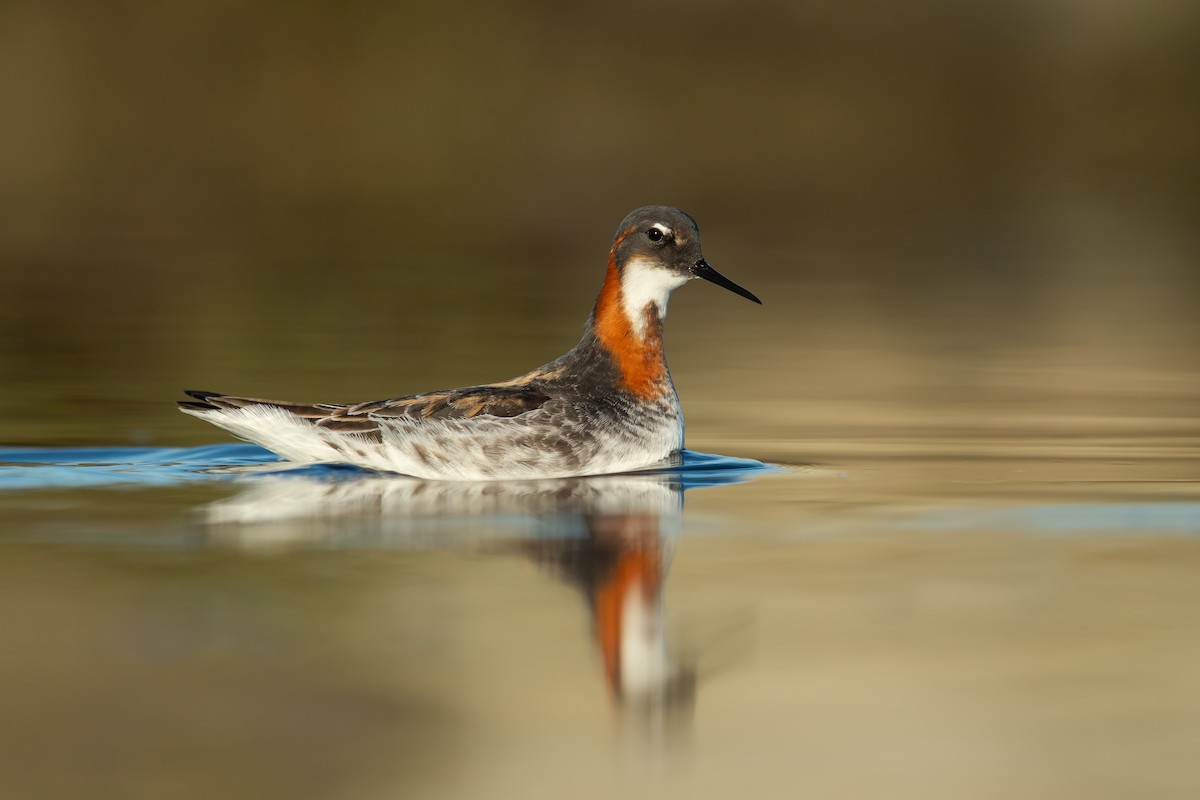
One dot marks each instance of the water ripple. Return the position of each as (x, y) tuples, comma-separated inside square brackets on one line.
[(97, 467)]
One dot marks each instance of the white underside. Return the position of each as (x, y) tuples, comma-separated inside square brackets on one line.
[(479, 448)]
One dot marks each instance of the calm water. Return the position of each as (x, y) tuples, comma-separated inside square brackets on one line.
[(969, 572), (204, 621)]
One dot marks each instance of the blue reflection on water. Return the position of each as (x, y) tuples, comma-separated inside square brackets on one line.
[(1067, 518), (95, 467)]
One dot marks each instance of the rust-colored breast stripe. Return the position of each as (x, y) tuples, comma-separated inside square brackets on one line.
[(638, 358)]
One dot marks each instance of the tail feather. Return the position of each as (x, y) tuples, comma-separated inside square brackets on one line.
[(215, 401)]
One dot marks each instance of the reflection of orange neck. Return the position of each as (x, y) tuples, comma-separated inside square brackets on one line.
[(637, 569), (639, 358)]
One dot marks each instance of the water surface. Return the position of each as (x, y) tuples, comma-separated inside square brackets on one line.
[(190, 621)]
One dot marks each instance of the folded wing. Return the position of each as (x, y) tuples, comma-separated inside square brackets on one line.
[(365, 418)]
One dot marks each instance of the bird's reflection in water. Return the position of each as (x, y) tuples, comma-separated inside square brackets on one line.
[(611, 537), (620, 568)]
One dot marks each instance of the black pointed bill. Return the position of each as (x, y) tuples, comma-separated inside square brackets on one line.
[(701, 269)]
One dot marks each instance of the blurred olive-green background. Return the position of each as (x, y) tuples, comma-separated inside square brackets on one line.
[(942, 203)]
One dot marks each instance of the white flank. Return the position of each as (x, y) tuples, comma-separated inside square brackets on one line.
[(643, 283), (479, 448)]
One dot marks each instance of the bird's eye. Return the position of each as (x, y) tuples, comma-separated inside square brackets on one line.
[(654, 234)]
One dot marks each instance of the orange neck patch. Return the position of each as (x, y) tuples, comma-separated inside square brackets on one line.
[(639, 358)]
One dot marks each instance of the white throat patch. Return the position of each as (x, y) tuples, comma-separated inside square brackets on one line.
[(643, 282)]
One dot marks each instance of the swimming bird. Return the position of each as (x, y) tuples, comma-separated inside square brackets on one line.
[(608, 405)]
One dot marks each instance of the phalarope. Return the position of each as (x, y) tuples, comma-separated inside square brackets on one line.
[(608, 405)]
